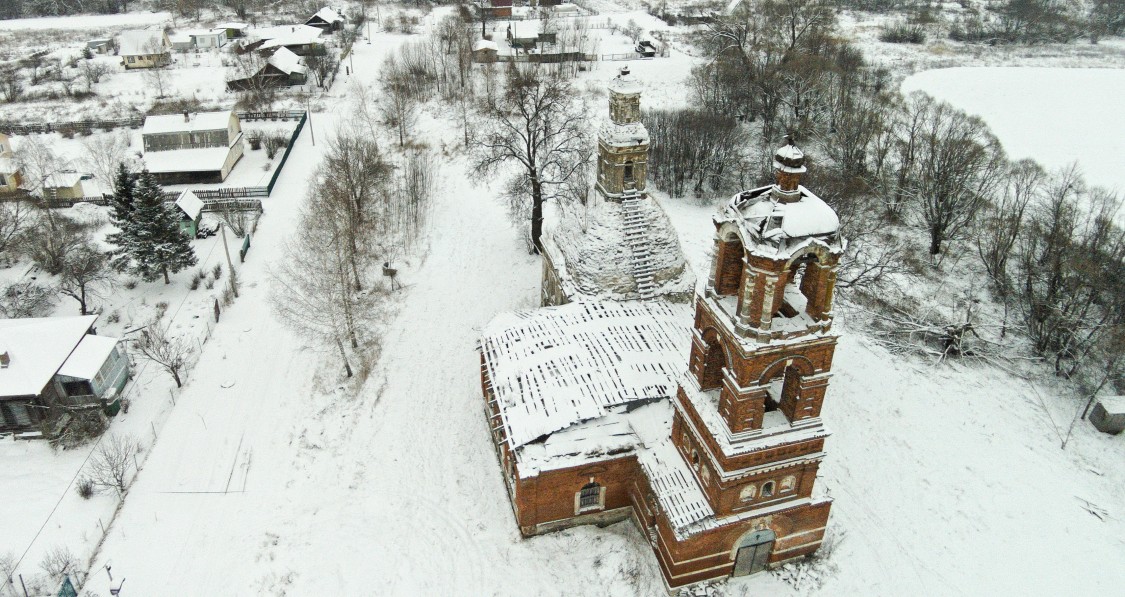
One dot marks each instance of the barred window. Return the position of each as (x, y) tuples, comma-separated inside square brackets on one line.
[(590, 496)]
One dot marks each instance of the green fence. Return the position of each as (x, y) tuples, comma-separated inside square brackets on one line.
[(285, 156)]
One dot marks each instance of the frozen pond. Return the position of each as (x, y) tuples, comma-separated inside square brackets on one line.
[(1053, 115)]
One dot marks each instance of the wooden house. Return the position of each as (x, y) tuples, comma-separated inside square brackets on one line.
[(283, 68), (485, 50), (145, 48), (327, 19), (51, 362), (10, 177), (192, 148)]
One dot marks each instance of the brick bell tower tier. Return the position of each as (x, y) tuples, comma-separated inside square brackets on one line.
[(748, 411), (618, 245)]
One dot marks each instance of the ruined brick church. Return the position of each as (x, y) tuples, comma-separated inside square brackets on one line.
[(596, 418)]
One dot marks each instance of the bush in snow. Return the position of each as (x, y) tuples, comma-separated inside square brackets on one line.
[(109, 466)]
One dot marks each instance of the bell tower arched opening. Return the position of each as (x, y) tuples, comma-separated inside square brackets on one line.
[(729, 265), (714, 361)]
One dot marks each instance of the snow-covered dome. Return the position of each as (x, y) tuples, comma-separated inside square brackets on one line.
[(789, 158), (624, 83), (774, 228)]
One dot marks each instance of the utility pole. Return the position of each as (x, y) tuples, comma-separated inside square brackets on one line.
[(233, 286), (308, 111)]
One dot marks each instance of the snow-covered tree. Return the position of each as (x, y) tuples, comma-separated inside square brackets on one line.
[(149, 243)]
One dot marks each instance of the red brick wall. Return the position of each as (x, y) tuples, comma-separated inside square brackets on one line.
[(549, 497)]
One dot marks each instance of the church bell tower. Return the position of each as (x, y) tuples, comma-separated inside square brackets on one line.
[(623, 141)]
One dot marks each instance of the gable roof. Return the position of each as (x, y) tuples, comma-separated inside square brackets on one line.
[(197, 121), (286, 61), (191, 205), (88, 357), (555, 367), (328, 15), (38, 347), (140, 42), (293, 35)]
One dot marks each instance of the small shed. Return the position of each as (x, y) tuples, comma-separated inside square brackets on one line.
[(485, 50), (100, 46), (191, 212), (234, 29), (209, 38), (1108, 415)]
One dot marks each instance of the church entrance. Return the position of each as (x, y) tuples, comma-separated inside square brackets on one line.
[(753, 552)]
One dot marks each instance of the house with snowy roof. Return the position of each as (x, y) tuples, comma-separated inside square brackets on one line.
[(200, 147), (699, 424), (10, 176), (624, 247), (327, 19), (282, 68), (302, 40), (144, 48), (48, 363)]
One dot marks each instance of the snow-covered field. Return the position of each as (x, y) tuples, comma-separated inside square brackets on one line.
[(1057, 116), (271, 477)]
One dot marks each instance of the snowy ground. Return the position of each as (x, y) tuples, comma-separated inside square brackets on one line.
[(271, 478), (1057, 116)]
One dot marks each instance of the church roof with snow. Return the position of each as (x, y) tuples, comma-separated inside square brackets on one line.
[(776, 229), (557, 367)]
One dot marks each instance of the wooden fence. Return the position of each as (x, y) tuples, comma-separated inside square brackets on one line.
[(89, 126)]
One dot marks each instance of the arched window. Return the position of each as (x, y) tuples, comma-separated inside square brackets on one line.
[(629, 171), (695, 459), (767, 489), (788, 483), (590, 497), (747, 494)]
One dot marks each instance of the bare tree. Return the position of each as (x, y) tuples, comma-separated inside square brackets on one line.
[(15, 216), (959, 162), (11, 83), (57, 563), (84, 271), (103, 154), (25, 299), (355, 177), (92, 72), (39, 163), (1000, 230), (398, 104), (171, 353), (538, 124), (312, 288), (109, 466)]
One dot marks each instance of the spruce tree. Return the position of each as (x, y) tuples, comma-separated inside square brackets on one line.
[(156, 247), (124, 191)]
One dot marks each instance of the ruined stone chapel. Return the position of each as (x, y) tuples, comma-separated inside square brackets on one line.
[(701, 425)]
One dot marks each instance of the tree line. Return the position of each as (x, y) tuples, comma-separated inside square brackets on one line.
[(902, 172)]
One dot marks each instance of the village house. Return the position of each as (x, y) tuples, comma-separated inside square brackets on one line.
[(484, 50), (326, 19), (10, 177), (66, 184), (282, 69), (198, 39), (302, 40), (193, 147), (496, 8), (145, 48), (702, 426), (190, 207), (52, 362)]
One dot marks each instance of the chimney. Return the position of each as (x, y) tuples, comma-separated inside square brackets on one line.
[(788, 165), (5, 360)]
